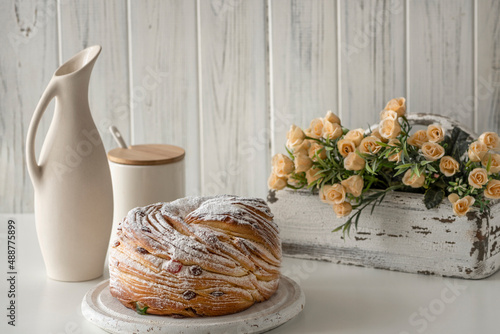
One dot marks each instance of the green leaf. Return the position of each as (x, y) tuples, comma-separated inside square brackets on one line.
[(375, 165), (416, 170), (488, 165), (432, 169), (401, 171), (139, 309), (329, 177), (456, 144), (334, 163), (338, 228), (405, 151), (433, 197), (406, 166), (294, 187), (369, 169), (321, 162)]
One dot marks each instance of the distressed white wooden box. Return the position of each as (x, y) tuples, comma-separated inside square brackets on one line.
[(401, 235)]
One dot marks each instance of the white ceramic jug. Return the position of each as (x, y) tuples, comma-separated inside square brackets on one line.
[(72, 180)]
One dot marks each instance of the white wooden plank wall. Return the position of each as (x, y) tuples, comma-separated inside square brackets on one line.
[(304, 63), (225, 78), (233, 103), (28, 58), (488, 65), (164, 89), (441, 57), (372, 58)]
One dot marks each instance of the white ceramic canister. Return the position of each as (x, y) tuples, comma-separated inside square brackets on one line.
[(143, 175)]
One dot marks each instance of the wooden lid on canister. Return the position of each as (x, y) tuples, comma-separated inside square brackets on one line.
[(146, 155)]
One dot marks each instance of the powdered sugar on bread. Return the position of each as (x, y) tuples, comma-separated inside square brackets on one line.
[(197, 256)]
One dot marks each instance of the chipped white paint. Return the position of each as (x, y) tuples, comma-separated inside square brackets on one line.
[(400, 235)]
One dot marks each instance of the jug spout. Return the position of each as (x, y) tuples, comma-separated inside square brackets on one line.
[(83, 60), (76, 71)]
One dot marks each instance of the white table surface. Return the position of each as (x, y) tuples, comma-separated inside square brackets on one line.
[(339, 299)]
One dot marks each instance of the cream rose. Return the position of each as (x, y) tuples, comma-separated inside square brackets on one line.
[(495, 162), (345, 147), (282, 165), (394, 142), (461, 206), (369, 145), (303, 148), (435, 133), (388, 114), (331, 130), (432, 151), (354, 162), (312, 175), (389, 128), (275, 182), (331, 117), (448, 166), (396, 157), (376, 133), (418, 138), (342, 209), (355, 136), (334, 194), (490, 139), (453, 198), (302, 163), (398, 105), (478, 177), (412, 180), (492, 190), (320, 149), (316, 128), (295, 136), (353, 185), (477, 150)]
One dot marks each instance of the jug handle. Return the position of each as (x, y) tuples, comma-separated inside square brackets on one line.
[(34, 169)]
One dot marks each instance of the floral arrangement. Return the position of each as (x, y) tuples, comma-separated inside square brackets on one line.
[(352, 169)]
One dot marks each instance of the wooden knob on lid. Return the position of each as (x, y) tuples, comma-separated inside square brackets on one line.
[(150, 154)]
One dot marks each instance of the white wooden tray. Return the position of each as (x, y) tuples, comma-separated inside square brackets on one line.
[(103, 310)]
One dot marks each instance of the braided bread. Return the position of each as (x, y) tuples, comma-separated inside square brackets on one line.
[(204, 256)]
